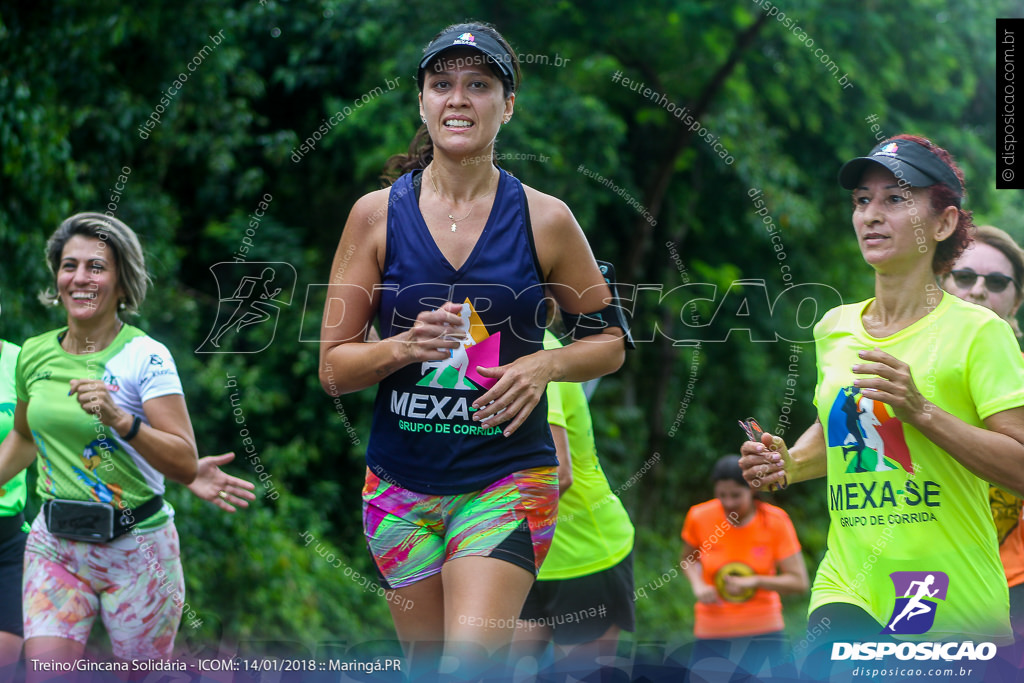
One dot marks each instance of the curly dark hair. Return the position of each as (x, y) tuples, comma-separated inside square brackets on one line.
[(941, 196), (421, 149)]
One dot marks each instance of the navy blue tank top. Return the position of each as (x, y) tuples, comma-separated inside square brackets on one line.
[(423, 436)]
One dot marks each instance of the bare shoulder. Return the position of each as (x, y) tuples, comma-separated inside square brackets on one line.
[(548, 212), (370, 210), (555, 232), (365, 231)]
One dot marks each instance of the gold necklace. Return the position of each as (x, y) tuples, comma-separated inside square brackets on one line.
[(452, 218)]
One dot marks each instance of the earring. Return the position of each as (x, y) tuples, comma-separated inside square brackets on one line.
[(507, 119), (55, 301), (423, 119), (121, 305)]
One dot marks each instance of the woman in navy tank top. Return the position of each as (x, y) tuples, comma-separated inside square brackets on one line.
[(460, 498)]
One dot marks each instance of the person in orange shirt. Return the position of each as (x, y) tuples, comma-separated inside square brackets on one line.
[(739, 554)]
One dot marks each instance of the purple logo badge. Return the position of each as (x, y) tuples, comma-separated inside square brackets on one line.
[(917, 596)]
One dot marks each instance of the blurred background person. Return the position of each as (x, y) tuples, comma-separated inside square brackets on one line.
[(739, 554), (211, 484), (989, 273), (583, 597), (13, 529)]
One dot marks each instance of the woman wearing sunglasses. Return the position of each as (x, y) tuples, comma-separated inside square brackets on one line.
[(989, 274)]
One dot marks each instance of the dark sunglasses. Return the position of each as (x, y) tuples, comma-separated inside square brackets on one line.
[(994, 282)]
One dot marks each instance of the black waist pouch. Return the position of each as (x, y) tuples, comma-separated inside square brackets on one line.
[(80, 520)]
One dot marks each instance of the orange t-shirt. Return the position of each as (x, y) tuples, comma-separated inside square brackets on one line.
[(1008, 515), (758, 545)]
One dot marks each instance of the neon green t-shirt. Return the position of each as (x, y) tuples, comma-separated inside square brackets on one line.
[(593, 531), (80, 458), (898, 502), (14, 492)]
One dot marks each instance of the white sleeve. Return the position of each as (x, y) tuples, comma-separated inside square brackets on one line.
[(157, 374)]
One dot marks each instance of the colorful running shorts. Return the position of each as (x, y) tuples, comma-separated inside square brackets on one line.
[(411, 535), (134, 583)]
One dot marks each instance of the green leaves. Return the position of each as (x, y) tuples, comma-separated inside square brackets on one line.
[(79, 79)]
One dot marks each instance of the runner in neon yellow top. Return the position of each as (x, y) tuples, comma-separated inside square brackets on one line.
[(890, 487), (920, 401), (14, 493), (593, 531), (99, 407), (13, 529), (583, 596)]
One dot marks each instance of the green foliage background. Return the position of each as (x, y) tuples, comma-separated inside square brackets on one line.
[(78, 79)]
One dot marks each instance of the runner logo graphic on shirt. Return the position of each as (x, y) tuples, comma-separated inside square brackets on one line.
[(100, 491), (870, 436), (478, 348), (111, 382), (98, 450), (917, 596)]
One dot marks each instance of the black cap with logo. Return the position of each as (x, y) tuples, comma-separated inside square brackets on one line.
[(910, 162), (488, 46)]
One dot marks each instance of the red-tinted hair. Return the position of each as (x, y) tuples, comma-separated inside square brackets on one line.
[(941, 196)]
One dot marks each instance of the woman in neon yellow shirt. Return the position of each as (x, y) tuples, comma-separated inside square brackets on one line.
[(583, 597), (13, 529), (920, 400)]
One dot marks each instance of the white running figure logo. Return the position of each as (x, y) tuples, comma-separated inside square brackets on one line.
[(458, 358), (250, 309), (914, 606)]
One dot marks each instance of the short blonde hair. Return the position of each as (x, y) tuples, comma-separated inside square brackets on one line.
[(131, 264)]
